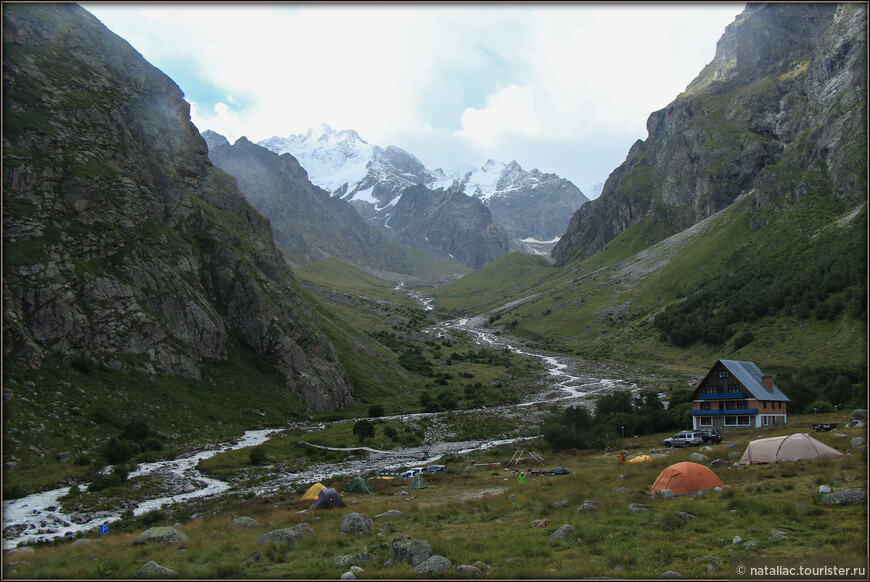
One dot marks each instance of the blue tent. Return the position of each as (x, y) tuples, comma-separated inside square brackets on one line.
[(328, 499)]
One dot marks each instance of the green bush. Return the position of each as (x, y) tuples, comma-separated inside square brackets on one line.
[(257, 455), (376, 410)]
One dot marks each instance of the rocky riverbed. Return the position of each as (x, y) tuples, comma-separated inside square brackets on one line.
[(567, 381)]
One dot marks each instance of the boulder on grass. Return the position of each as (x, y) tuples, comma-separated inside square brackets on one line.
[(290, 534), (434, 565), (164, 535), (356, 523), (153, 570)]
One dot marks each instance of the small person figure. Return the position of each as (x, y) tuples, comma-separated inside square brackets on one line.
[(621, 458), (522, 477)]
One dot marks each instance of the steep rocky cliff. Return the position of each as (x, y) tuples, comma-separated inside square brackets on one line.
[(447, 221), (780, 111), (122, 243)]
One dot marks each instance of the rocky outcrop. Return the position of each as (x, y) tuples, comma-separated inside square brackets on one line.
[(446, 221), (528, 204), (772, 116), (122, 243)]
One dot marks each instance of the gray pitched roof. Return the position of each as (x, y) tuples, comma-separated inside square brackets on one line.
[(750, 376)]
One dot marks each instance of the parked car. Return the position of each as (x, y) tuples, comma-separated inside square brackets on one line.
[(684, 439), (435, 468), (411, 472), (711, 436)]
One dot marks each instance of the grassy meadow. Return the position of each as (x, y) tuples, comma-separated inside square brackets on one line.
[(481, 513)]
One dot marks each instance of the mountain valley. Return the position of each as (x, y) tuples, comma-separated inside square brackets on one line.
[(166, 290)]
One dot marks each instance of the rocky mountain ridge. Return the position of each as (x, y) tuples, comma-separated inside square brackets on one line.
[(529, 205), (123, 245), (774, 114), (311, 224), (307, 222)]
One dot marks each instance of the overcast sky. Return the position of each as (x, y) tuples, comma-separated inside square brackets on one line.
[(565, 88)]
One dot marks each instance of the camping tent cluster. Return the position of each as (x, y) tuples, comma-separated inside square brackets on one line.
[(326, 498)]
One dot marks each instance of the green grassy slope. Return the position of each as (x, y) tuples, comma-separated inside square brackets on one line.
[(605, 306), (483, 514)]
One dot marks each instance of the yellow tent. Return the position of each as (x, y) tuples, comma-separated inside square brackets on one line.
[(313, 492), (641, 459)]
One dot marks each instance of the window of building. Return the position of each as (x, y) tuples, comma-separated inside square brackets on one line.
[(705, 421), (705, 405), (764, 404), (730, 405), (723, 373), (732, 388), (737, 421), (710, 390)]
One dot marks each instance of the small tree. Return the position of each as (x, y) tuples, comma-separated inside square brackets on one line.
[(363, 429), (376, 410), (257, 456)]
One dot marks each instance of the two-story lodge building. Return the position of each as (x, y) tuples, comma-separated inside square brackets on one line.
[(737, 394)]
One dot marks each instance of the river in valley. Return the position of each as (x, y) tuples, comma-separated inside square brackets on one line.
[(39, 517)]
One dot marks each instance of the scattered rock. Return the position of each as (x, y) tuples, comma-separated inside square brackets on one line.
[(711, 559), (588, 506), (481, 565), (153, 570), (622, 490), (539, 522), (684, 515), (671, 574), (840, 435), (638, 507), (356, 523), (434, 565), (409, 550), (356, 570), (252, 559), (711, 569), (857, 442), (717, 463), (354, 502), (244, 522), (846, 498), (736, 540), (391, 514), (348, 576), (698, 458), (188, 488), (824, 488), (561, 504), (621, 477), (562, 533), (165, 535), (858, 418), (351, 559), (666, 494), (291, 534), (468, 571), (777, 535)]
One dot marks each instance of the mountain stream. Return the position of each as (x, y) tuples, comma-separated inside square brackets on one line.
[(39, 517)]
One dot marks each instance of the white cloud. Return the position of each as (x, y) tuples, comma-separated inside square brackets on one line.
[(576, 80)]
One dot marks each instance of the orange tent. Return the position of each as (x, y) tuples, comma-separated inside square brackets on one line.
[(684, 478)]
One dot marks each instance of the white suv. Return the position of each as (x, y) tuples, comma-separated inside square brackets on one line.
[(684, 439)]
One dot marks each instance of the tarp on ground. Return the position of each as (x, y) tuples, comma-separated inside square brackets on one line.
[(313, 492), (328, 499), (792, 448), (685, 478), (417, 482), (640, 459), (359, 485)]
